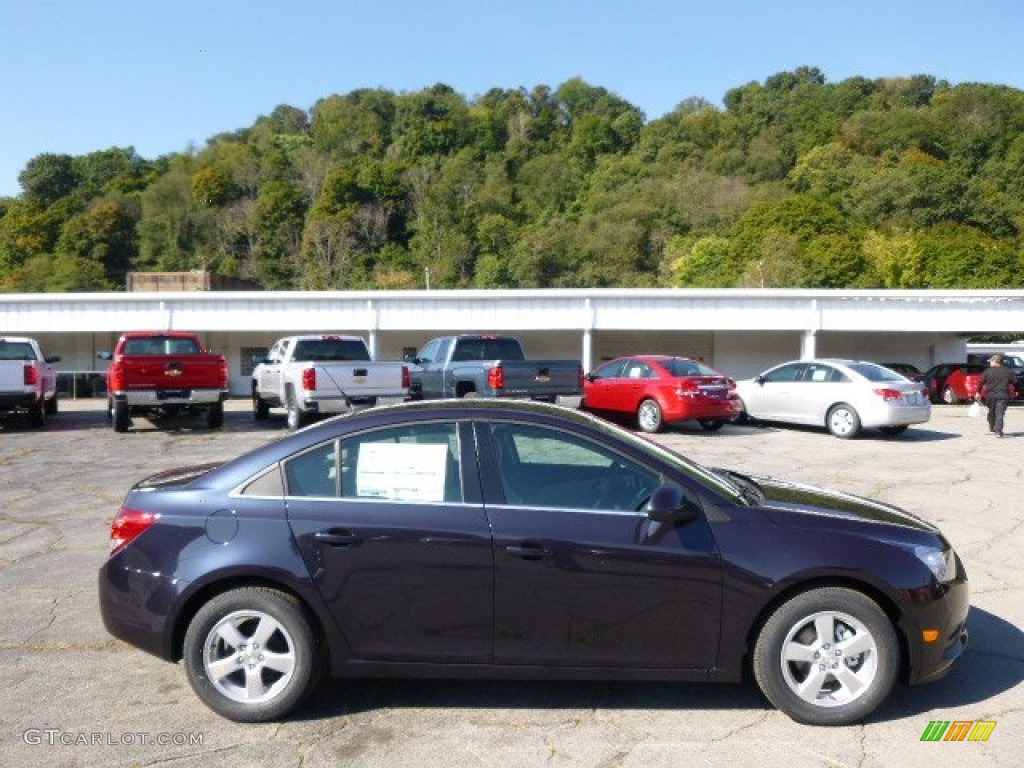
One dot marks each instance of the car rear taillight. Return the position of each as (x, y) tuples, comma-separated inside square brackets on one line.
[(127, 526), (889, 394), (31, 375), (309, 379), (406, 381), (223, 374), (687, 388), (496, 377)]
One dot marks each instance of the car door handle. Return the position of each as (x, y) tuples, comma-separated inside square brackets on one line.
[(336, 537), (528, 551)]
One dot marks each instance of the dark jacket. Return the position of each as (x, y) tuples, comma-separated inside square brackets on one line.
[(997, 382)]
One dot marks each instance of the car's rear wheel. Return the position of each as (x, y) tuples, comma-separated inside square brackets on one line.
[(827, 656), (648, 416), (251, 654), (51, 406), (843, 421), (949, 396), (37, 414)]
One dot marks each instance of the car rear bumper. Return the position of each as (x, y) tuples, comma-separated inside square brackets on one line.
[(703, 409), (886, 415), (135, 606)]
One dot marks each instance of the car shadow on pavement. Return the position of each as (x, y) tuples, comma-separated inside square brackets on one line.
[(993, 664), (350, 697)]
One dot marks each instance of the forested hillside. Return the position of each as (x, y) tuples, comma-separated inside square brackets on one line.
[(797, 182)]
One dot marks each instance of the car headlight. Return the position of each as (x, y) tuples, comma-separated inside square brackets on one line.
[(941, 562)]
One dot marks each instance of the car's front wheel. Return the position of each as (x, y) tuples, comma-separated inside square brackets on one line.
[(828, 656), (843, 421), (251, 654)]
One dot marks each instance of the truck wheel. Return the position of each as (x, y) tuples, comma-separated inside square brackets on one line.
[(36, 415), (119, 415), (51, 405), (296, 418), (260, 409), (215, 416)]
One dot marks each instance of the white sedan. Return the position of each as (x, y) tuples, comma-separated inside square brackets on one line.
[(844, 396)]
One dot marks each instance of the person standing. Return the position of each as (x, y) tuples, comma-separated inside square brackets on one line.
[(996, 388)]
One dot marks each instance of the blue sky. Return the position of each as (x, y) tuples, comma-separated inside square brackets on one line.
[(85, 75)]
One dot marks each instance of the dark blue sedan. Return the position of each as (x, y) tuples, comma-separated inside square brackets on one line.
[(505, 539)]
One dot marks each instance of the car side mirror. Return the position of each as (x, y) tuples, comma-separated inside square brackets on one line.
[(671, 504), (105, 355), (590, 377), (759, 380), (52, 359)]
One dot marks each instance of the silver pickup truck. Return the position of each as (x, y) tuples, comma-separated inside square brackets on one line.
[(28, 382), (319, 374)]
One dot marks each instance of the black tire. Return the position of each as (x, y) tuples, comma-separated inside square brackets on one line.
[(37, 415), (711, 425), (51, 406), (260, 409), (649, 417), (807, 677), (120, 416), (894, 430), (843, 421), (215, 416), (242, 636), (949, 396), (295, 417)]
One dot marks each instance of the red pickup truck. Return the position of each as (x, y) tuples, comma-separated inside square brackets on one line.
[(161, 373)]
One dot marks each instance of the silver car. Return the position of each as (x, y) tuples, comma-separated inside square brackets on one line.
[(844, 396)]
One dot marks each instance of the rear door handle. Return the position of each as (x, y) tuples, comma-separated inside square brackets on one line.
[(336, 537), (528, 551)]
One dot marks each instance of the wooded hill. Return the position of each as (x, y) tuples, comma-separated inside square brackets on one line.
[(797, 182)]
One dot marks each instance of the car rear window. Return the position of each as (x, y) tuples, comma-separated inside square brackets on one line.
[(681, 367), (873, 372), (16, 350)]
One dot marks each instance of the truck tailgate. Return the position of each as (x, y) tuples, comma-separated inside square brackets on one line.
[(541, 377), (171, 371), (360, 379), (12, 376)]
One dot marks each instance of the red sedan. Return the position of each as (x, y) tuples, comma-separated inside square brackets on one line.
[(659, 390)]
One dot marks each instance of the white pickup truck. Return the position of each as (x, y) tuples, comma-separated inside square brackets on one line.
[(28, 381), (308, 375)]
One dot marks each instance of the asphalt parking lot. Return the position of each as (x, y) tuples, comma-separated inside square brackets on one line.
[(72, 695)]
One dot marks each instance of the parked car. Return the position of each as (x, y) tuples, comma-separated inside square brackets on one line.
[(952, 382), (657, 390), (489, 366), (1014, 362), (845, 396), (28, 380), (323, 374), (907, 370), (158, 374), (497, 538)]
